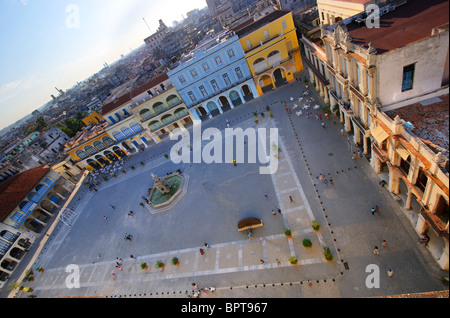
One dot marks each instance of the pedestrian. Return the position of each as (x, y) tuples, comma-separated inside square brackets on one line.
[(342, 131), (325, 182), (279, 211), (250, 235), (141, 204), (206, 245), (278, 261), (273, 213), (359, 154), (132, 256), (309, 283), (323, 125), (202, 251), (266, 196), (373, 211), (113, 206), (375, 250), (384, 243), (331, 180), (212, 289), (320, 116), (424, 239), (105, 218), (390, 272), (131, 213), (234, 162), (377, 209), (262, 261), (354, 155), (291, 200)]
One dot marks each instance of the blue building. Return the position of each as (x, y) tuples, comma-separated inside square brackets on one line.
[(214, 77)]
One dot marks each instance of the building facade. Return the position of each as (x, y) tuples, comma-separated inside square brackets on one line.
[(30, 201), (214, 77), (271, 49)]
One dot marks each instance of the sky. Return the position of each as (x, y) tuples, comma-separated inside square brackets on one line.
[(57, 43)]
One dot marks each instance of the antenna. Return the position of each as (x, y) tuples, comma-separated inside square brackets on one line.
[(146, 24)]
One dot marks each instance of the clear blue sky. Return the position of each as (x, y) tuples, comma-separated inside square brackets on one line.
[(48, 43)]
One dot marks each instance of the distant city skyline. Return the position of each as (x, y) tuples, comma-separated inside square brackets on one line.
[(57, 43)]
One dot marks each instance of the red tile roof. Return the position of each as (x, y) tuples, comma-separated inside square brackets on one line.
[(16, 188), (152, 83), (125, 98), (408, 23)]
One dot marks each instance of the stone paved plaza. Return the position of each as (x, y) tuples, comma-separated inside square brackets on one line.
[(217, 197)]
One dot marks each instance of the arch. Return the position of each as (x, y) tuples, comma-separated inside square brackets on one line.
[(90, 150), (102, 160), (259, 60), (145, 114), (154, 125), (182, 111), (94, 164), (211, 106), (24, 205), (81, 154), (201, 111), (119, 152), (159, 107), (273, 53), (99, 145), (111, 156), (279, 76), (224, 101), (107, 141), (173, 100), (167, 119), (7, 235)]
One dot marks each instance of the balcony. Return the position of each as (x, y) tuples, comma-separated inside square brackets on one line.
[(435, 222)]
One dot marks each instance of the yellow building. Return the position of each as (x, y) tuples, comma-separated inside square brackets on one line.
[(333, 11), (92, 119), (94, 148), (271, 49)]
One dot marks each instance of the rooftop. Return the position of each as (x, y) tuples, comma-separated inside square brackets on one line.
[(408, 23), (250, 26), (14, 189), (430, 119)]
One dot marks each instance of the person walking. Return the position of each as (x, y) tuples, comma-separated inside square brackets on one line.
[(262, 261), (291, 200), (342, 131), (372, 210), (375, 250), (325, 182), (105, 218), (278, 261), (384, 243), (202, 251), (279, 211), (113, 206), (331, 180), (377, 209), (206, 245), (390, 272), (273, 213)]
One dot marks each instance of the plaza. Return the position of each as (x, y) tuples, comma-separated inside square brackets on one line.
[(217, 197)]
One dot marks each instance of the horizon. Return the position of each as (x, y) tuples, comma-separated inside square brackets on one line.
[(69, 42)]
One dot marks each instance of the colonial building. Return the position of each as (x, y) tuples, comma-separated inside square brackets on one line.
[(376, 79), (214, 77), (30, 201), (271, 49), (159, 108)]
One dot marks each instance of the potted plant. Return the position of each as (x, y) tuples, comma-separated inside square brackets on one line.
[(293, 260), (166, 156), (255, 114), (175, 261), (114, 175), (262, 115), (144, 266), (327, 254), (142, 163), (270, 114), (315, 225), (123, 171), (132, 167), (288, 233), (268, 108), (40, 269), (307, 243), (159, 264)]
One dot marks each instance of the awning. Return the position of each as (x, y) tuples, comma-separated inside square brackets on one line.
[(379, 134), (249, 223), (403, 152)]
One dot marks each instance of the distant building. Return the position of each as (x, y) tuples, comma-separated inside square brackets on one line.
[(154, 41)]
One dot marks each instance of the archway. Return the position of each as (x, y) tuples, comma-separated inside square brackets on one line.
[(235, 98), (94, 164), (246, 90), (265, 82), (279, 77), (119, 152), (225, 104), (213, 110)]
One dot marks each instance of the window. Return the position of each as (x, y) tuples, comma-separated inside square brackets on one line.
[(194, 73), (181, 79), (192, 96), (218, 60), (266, 34), (203, 91), (214, 85), (226, 79), (408, 77), (283, 24), (230, 53), (239, 73), (249, 44), (205, 67)]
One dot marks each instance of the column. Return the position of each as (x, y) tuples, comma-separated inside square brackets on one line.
[(229, 101), (241, 96), (409, 197), (348, 123), (194, 116), (325, 97), (273, 83), (218, 105)]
